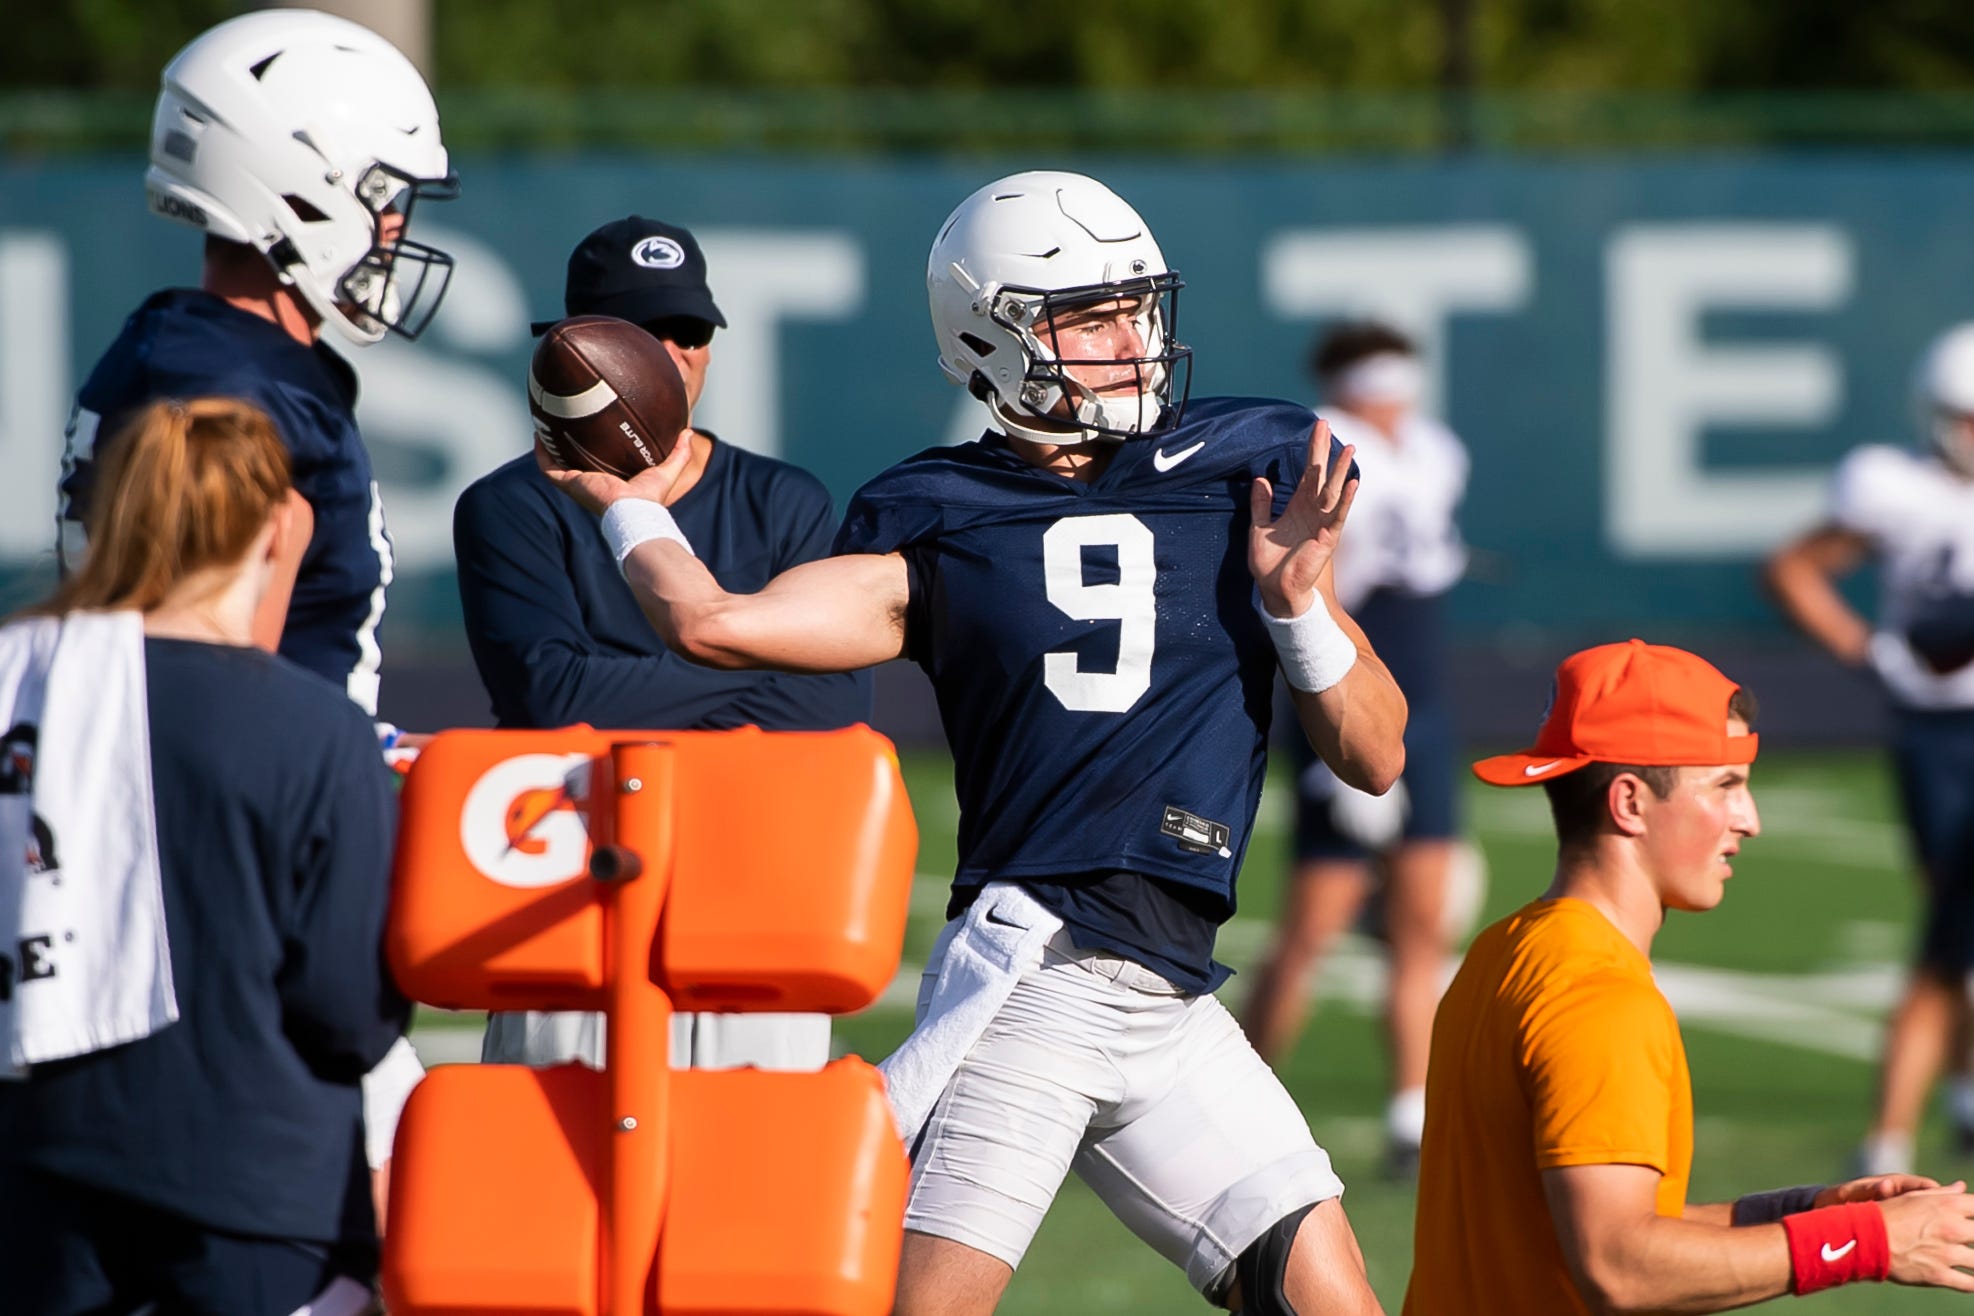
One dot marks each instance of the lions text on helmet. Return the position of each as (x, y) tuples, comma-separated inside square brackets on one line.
[(1053, 305), (308, 138)]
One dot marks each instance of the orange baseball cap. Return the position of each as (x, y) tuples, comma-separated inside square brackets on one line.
[(1647, 704)]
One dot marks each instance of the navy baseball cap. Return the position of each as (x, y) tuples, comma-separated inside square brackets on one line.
[(640, 270)]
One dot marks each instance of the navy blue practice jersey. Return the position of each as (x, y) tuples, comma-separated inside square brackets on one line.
[(1102, 673), (185, 343)]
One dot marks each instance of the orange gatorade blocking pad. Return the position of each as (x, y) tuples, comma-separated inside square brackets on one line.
[(781, 895), (490, 906), (493, 1192), (788, 889), (629, 872), (787, 1194)]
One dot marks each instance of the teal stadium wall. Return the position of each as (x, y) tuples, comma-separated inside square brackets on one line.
[(1655, 361)]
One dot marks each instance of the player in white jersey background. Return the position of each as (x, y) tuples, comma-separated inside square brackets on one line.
[(1403, 555), (1911, 512)]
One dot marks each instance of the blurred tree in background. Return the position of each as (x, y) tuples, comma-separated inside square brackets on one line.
[(993, 45), (1163, 74), (119, 44)]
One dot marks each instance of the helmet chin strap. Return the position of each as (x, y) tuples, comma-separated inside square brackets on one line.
[(1097, 419), (1115, 414), (1118, 413), (1035, 429)]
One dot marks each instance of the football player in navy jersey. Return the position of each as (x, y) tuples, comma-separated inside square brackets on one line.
[(1101, 589), (299, 143)]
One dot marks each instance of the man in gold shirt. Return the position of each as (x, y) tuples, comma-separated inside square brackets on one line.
[(1559, 1112)]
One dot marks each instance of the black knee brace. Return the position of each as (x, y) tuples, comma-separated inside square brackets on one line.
[(1263, 1267)]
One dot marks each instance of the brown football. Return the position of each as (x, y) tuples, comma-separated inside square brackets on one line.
[(605, 396)]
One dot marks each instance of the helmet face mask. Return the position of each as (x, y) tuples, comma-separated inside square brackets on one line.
[(398, 285), (1056, 383), (310, 139), (1022, 261)]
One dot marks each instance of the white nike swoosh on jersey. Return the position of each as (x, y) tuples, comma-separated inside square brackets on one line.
[(1165, 461), (1837, 1253), (1537, 769)]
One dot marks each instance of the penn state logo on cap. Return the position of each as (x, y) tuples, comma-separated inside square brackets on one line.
[(637, 269), (658, 253)]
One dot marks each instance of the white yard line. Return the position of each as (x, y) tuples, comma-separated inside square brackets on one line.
[(1794, 819), (1836, 1012)]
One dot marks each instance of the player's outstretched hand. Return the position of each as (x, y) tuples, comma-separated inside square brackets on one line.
[(1876, 1188), (1287, 554), (596, 490), (1931, 1231)]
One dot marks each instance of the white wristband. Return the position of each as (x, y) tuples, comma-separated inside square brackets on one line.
[(629, 522), (1315, 652)]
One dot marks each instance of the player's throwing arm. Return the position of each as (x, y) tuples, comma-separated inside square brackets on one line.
[(835, 615)]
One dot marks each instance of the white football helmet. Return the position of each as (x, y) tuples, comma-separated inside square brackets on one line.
[(1014, 256), (302, 135), (1943, 395)]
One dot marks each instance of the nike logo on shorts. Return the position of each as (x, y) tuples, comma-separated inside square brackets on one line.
[(1165, 461), (1837, 1253)]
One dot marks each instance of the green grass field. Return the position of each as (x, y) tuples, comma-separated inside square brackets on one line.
[(1780, 991)]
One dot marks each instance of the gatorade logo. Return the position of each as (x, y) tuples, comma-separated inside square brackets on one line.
[(523, 823)]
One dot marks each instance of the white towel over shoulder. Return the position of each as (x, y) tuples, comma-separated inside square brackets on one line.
[(81, 898)]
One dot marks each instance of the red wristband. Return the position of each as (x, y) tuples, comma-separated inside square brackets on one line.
[(1837, 1245)]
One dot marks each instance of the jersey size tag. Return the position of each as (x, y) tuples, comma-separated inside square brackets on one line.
[(1194, 833)]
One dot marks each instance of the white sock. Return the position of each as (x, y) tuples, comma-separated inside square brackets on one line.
[(1885, 1153), (1405, 1117)]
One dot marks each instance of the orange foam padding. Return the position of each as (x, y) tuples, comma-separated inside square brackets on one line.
[(492, 906), (793, 872), (787, 1194), (493, 1194), (789, 880)]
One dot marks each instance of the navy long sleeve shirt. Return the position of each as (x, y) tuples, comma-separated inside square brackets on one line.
[(559, 638)]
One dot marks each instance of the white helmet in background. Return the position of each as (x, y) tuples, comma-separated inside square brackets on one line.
[(1944, 397), (1023, 250), (300, 134)]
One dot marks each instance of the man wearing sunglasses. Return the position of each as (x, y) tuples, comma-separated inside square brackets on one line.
[(559, 638)]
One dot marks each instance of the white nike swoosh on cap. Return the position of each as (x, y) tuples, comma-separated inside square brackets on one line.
[(1837, 1253), (1165, 461), (1537, 769)]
